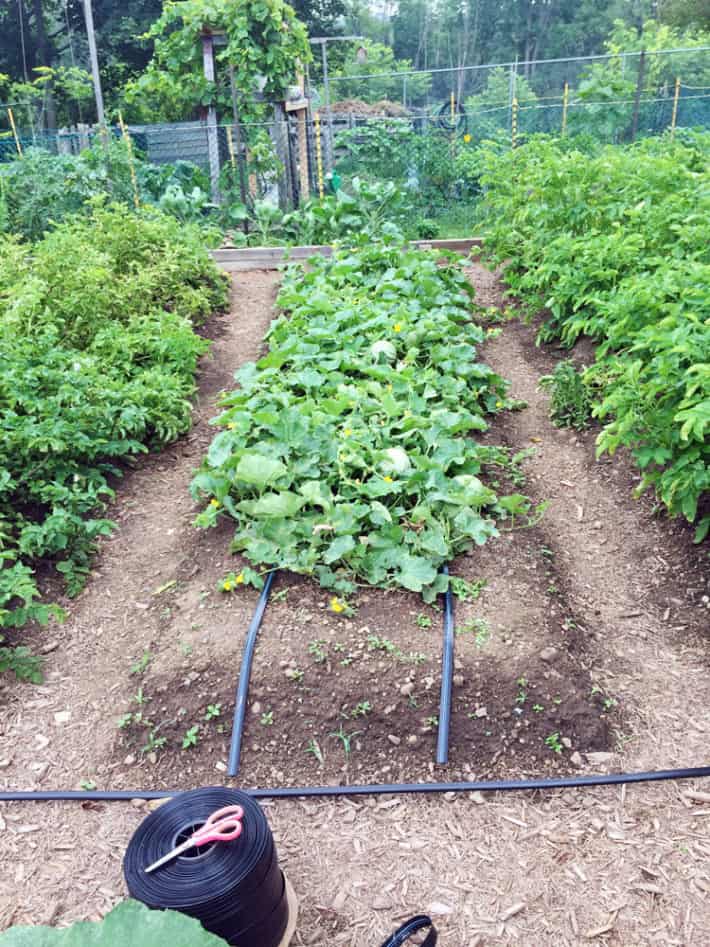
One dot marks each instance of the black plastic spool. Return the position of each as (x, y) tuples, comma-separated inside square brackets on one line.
[(235, 889)]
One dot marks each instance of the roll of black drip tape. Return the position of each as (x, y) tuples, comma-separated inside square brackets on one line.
[(235, 889)]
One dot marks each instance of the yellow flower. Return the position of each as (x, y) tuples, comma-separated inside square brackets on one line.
[(387, 479), (499, 404), (336, 605), (467, 138), (214, 503), (397, 327), (240, 578), (347, 432), (389, 387), (227, 586), (230, 427)]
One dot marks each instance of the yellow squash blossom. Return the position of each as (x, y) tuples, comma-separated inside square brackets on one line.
[(336, 605)]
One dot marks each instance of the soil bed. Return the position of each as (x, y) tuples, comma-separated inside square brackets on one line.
[(592, 626)]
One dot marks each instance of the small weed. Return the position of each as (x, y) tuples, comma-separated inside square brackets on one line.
[(345, 738), (424, 621), (362, 709), (267, 719), (609, 702), (153, 743), (412, 702), (414, 657), (294, 674), (191, 738), (432, 721), (338, 647), (346, 662), (570, 404), (314, 749), (466, 591), (281, 595), (317, 650), (140, 698), (522, 694), (88, 785), (554, 742), (375, 643), (213, 710), (557, 701), (538, 708), (124, 721), (186, 648), (142, 663), (478, 627)]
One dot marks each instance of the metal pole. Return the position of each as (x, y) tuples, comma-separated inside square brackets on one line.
[(637, 99), (512, 88), (98, 94), (212, 142), (329, 114), (565, 104)]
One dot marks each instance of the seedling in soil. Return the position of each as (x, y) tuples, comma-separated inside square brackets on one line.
[(538, 708), (609, 702), (477, 626), (185, 647), (314, 749), (522, 695), (142, 663), (375, 643), (414, 657), (125, 721), (412, 702), (557, 701), (317, 651), (213, 710), (432, 721), (554, 742), (424, 621), (345, 739), (191, 738), (267, 719), (140, 698), (294, 674), (88, 785), (466, 591), (281, 595), (153, 743), (362, 709), (338, 647)]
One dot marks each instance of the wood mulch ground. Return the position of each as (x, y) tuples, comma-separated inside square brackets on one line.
[(593, 625)]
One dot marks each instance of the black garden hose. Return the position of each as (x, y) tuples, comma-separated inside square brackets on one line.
[(447, 677)]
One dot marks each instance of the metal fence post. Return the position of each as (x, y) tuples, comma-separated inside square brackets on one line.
[(637, 99), (212, 141), (565, 103)]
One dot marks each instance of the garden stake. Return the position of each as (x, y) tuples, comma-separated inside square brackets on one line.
[(14, 131), (565, 103), (514, 124), (674, 117), (131, 165), (319, 155)]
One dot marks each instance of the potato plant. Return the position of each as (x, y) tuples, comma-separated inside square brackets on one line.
[(99, 354), (345, 451), (615, 246)]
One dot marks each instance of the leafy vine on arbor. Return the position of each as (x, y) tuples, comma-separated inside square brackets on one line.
[(264, 43)]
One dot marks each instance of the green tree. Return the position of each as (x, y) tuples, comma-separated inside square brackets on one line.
[(380, 59)]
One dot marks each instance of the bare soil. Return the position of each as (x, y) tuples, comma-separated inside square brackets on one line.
[(592, 625)]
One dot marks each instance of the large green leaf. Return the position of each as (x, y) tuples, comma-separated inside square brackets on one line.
[(130, 924), (258, 470)]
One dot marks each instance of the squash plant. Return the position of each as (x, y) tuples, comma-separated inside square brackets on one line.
[(345, 453)]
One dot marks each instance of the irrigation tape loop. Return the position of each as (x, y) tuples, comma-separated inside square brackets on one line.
[(417, 923)]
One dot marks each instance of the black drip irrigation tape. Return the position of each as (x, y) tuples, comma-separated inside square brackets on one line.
[(240, 704), (374, 789), (447, 677)]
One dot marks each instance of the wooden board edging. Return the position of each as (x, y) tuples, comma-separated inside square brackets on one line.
[(233, 259)]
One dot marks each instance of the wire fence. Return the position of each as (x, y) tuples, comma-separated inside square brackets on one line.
[(418, 136)]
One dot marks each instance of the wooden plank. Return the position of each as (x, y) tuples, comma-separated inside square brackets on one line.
[(232, 259)]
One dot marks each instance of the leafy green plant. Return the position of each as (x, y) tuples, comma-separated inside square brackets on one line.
[(570, 403), (344, 454), (129, 923), (554, 742), (191, 737), (99, 354), (614, 246)]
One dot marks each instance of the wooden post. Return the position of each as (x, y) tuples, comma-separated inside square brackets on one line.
[(565, 103), (674, 117), (212, 140), (319, 157), (131, 165), (14, 132)]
